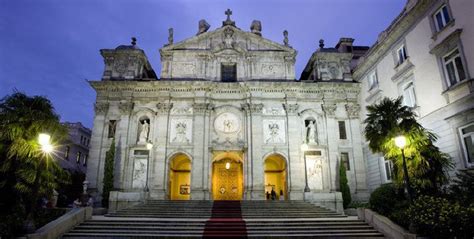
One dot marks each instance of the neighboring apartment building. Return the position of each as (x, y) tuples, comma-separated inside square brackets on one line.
[(73, 154), (427, 56)]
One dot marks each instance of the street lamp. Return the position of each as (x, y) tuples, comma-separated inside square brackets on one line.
[(149, 146), (46, 147), (400, 142), (304, 148)]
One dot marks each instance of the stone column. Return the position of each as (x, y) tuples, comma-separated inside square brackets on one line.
[(258, 188), (333, 140), (95, 165), (158, 164), (295, 157), (199, 127), (358, 161), (122, 146), (247, 160)]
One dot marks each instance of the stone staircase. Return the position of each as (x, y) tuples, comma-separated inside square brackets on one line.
[(274, 219)]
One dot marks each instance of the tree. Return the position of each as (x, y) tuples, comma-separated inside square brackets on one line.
[(108, 174), (344, 187), (26, 172), (427, 165)]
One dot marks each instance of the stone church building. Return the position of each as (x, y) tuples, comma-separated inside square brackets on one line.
[(227, 120)]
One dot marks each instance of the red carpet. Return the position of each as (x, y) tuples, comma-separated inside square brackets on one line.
[(226, 221)]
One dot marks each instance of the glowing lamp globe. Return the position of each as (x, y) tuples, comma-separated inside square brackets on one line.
[(43, 139), (227, 165), (149, 146), (400, 141), (47, 148)]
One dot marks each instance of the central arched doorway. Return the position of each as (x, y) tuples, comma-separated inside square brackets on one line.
[(275, 176), (227, 177), (180, 177)]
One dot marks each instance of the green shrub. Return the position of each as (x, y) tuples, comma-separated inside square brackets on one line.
[(439, 218), (345, 190), (108, 174), (384, 199)]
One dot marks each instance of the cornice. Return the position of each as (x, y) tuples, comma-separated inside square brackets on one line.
[(405, 21)]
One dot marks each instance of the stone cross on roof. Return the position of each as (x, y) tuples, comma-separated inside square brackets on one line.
[(228, 12)]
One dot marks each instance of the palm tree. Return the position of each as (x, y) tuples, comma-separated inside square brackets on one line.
[(427, 165), (26, 172)]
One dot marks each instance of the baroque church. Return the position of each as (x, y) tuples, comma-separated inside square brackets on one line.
[(228, 120)]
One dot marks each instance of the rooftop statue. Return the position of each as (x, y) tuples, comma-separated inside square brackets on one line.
[(256, 27), (203, 26)]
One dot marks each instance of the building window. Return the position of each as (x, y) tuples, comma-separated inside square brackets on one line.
[(229, 72), (345, 161), (454, 67), (84, 162), (372, 79), (342, 130), (112, 128), (467, 137), (78, 157), (66, 153), (388, 167), (401, 55), (441, 18), (408, 93)]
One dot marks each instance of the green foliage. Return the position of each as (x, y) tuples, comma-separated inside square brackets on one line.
[(345, 190), (108, 174), (439, 218), (388, 200), (26, 173), (463, 187), (383, 199), (427, 165)]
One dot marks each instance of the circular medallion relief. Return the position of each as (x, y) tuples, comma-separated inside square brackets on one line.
[(227, 123)]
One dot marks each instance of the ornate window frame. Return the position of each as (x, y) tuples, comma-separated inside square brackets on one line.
[(464, 148)]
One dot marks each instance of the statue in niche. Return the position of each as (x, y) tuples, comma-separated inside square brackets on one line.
[(203, 26), (143, 136), (311, 132), (181, 133), (274, 134)]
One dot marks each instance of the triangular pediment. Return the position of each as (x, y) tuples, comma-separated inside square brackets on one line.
[(225, 38)]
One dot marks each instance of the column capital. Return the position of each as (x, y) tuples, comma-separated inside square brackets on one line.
[(101, 107), (164, 107)]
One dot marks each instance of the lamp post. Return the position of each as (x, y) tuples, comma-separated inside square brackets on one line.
[(400, 142), (149, 146), (46, 147), (304, 148)]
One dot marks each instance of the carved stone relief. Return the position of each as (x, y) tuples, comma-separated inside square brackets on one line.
[(315, 172), (274, 131), (227, 123), (272, 69), (273, 111), (181, 131), (139, 172), (353, 110), (184, 68)]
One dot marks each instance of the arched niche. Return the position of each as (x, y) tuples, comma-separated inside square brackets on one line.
[(276, 174), (179, 177)]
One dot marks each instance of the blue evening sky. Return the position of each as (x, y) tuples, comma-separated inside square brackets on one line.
[(51, 47)]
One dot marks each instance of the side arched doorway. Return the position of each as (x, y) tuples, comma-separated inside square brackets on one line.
[(227, 177), (179, 183), (275, 176)]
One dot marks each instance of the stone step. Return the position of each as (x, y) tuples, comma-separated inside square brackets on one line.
[(173, 219)]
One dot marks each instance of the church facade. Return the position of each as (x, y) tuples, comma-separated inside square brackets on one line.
[(227, 120)]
